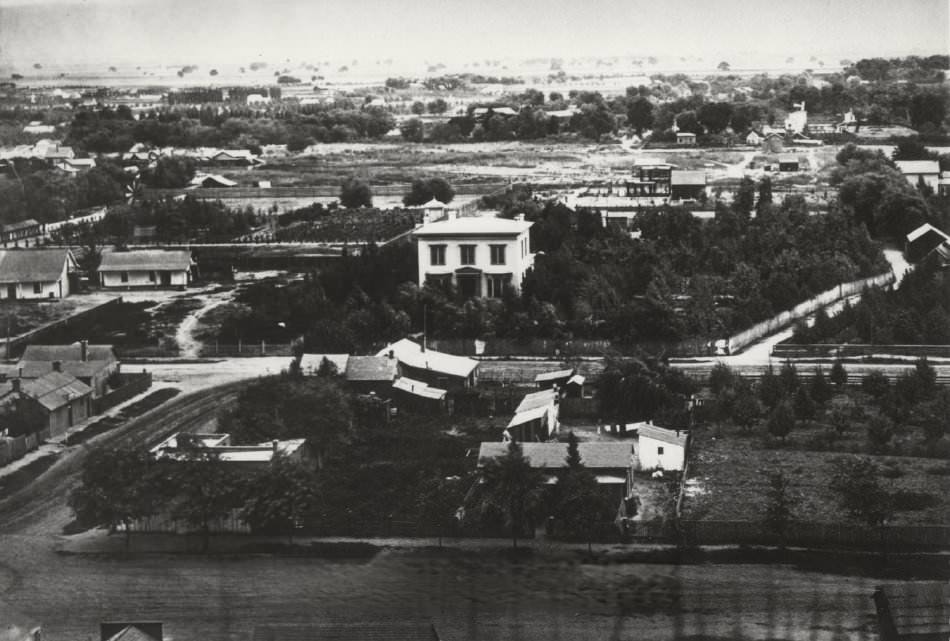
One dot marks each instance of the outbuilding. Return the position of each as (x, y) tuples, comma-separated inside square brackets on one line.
[(146, 268)]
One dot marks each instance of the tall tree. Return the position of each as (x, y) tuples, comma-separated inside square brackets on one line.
[(116, 488), (510, 487), (355, 193), (581, 503), (278, 496), (861, 492), (779, 506), (204, 489), (640, 114)]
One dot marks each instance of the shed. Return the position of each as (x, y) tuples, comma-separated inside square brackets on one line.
[(146, 268), (367, 374), (659, 448), (36, 273), (913, 611), (788, 162), (926, 240), (685, 138), (687, 184)]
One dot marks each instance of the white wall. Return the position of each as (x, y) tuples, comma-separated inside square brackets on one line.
[(650, 458), (25, 290), (141, 279), (518, 258)]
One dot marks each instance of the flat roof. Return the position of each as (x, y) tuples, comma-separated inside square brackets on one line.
[(474, 226), (918, 166)]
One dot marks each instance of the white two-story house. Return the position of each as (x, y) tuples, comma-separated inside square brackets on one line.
[(479, 255)]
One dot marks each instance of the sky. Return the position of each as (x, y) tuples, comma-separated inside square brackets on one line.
[(241, 31)]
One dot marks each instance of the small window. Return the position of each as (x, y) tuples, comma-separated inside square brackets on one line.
[(124, 277), (496, 285), (151, 277), (497, 254), (659, 451), (37, 288), (437, 254), (467, 254)]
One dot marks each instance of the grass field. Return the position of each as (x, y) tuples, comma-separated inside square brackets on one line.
[(728, 480)]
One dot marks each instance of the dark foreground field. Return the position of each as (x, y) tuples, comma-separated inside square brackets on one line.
[(469, 595)]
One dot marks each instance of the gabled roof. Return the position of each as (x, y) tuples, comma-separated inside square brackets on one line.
[(412, 386), (474, 226), (55, 390), (131, 633), (544, 377), (918, 166), (348, 631), (526, 416), (370, 368), (552, 456), (64, 353), (577, 379), (683, 177), (925, 229), (410, 353), (145, 260), (673, 437), (913, 610), (33, 265), (79, 369), (543, 398), (433, 203), (203, 180)]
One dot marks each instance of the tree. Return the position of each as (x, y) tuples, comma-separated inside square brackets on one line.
[(510, 487), (170, 172), (880, 434), (418, 108), (116, 488), (770, 389), (327, 368), (437, 106), (355, 193), (723, 66), (781, 420), (412, 130), (424, 190), (277, 496), (715, 116), (581, 503), (640, 114), (205, 488), (779, 506), (839, 376), (438, 502), (876, 384), (861, 494), (765, 195), (820, 389), (745, 408), (745, 197), (804, 405)]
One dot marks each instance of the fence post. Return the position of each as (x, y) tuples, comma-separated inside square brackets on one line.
[(263, 349), (239, 346)]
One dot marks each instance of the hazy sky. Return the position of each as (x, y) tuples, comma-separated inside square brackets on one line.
[(239, 31)]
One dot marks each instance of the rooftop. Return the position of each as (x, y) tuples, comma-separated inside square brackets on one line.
[(412, 386), (526, 416), (146, 260), (55, 389), (543, 398), (673, 437), (370, 368), (411, 353), (38, 265), (549, 456), (474, 226), (64, 353), (926, 228), (918, 166), (683, 177), (553, 376)]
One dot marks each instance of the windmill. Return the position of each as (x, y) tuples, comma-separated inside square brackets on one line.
[(134, 190)]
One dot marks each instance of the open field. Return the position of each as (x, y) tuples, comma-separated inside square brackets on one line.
[(728, 480)]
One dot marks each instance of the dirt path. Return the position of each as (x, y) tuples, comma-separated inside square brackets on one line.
[(188, 345)]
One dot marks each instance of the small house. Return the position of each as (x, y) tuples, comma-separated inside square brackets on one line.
[(61, 399), (36, 273), (25, 233), (920, 172), (145, 268), (926, 240), (371, 374), (685, 138), (443, 371), (659, 448), (687, 185), (234, 157), (536, 417), (788, 162), (91, 364), (574, 387), (612, 463), (419, 396), (754, 139), (916, 611), (557, 378), (212, 181)]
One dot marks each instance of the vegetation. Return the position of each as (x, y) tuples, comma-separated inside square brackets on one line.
[(510, 492)]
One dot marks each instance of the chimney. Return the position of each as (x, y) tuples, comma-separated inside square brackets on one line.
[(274, 444), (392, 354), (57, 366), (84, 350)]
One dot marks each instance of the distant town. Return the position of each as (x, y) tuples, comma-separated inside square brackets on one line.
[(595, 354)]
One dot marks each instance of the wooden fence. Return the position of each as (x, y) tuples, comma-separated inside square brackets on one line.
[(741, 340), (811, 534), (132, 385), (262, 348), (845, 350)]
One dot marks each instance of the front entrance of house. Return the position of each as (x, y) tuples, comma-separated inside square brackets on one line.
[(11, 292), (166, 279), (470, 286)]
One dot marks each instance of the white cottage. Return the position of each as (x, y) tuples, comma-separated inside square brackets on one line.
[(145, 268), (659, 448)]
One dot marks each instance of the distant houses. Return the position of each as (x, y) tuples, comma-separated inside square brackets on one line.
[(61, 399), (145, 268), (25, 233), (479, 256), (91, 364), (36, 273)]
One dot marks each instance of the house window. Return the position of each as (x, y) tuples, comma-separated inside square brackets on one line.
[(37, 288), (124, 277), (498, 254), (467, 254), (151, 277), (496, 285), (659, 451), (436, 254)]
